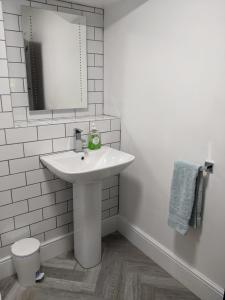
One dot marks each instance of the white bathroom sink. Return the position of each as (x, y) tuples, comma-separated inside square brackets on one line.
[(86, 171), (95, 165)]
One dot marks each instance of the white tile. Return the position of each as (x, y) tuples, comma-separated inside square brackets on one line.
[(2, 49), (16, 85), (84, 126), (4, 86), (99, 11), (95, 73), (99, 34), (17, 70), (37, 115), (12, 181), (90, 33), (20, 135), (11, 22), (69, 10), (35, 148), (94, 19), (6, 120), (4, 168), (13, 54), (5, 198), (22, 54), (6, 103), (105, 214), (114, 191), (6, 225), (15, 235), (110, 137), (3, 68), (60, 3), (14, 38), (64, 195), (19, 113), (28, 218), (99, 85), (53, 186), (91, 60), (113, 211), (109, 203), (99, 109), (2, 137), (99, 60), (70, 205), (38, 176), (115, 124), (95, 47), (14, 209), (43, 226), (63, 144), (11, 151), (54, 210), (51, 131), (24, 164), (105, 194), (56, 232), (89, 111), (1, 12), (14, 6), (5, 251), (26, 192), (40, 237), (41, 201), (95, 97), (110, 182), (65, 219), (25, 85), (91, 85), (82, 7), (2, 33), (63, 113), (115, 146), (19, 99), (102, 126)]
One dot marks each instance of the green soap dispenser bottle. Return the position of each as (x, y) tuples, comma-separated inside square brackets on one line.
[(94, 138)]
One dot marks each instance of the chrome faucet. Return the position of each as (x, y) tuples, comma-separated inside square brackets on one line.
[(78, 140)]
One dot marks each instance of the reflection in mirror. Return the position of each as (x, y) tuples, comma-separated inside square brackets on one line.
[(56, 59)]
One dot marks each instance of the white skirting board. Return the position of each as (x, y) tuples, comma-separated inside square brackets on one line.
[(195, 281), (55, 247)]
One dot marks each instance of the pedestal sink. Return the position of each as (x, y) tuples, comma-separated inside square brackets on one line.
[(86, 172)]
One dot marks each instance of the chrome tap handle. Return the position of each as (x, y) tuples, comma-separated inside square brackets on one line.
[(77, 133)]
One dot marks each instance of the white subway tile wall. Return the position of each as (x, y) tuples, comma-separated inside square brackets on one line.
[(33, 202), (15, 52)]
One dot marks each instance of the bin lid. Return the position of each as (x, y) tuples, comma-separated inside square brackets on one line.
[(25, 247)]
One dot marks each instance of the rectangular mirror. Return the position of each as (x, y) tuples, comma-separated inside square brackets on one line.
[(56, 59)]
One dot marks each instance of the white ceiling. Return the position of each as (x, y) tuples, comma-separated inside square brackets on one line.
[(96, 3)]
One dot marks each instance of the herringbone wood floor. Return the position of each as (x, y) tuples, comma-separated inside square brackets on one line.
[(124, 274)]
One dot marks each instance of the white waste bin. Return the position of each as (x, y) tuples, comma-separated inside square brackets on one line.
[(26, 258)]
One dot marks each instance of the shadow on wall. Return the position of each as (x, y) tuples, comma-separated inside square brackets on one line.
[(119, 9), (184, 245)]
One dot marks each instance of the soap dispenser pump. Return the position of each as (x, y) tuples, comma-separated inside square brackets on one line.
[(94, 138)]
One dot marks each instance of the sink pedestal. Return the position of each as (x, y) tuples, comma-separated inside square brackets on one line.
[(87, 212)]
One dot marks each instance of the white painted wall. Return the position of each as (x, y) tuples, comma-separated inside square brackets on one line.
[(165, 76)]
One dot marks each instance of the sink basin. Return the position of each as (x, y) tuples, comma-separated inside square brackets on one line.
[(95, 166), (86, 172)]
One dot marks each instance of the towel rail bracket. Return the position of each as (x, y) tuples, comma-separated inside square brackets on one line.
[(208, 167)]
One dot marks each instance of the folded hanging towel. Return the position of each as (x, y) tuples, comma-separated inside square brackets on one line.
[(186, 197), (196, 216)]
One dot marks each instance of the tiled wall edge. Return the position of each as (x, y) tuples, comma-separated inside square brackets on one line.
[(33, 201)]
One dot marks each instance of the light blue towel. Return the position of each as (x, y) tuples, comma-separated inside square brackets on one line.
[(184, 196)]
